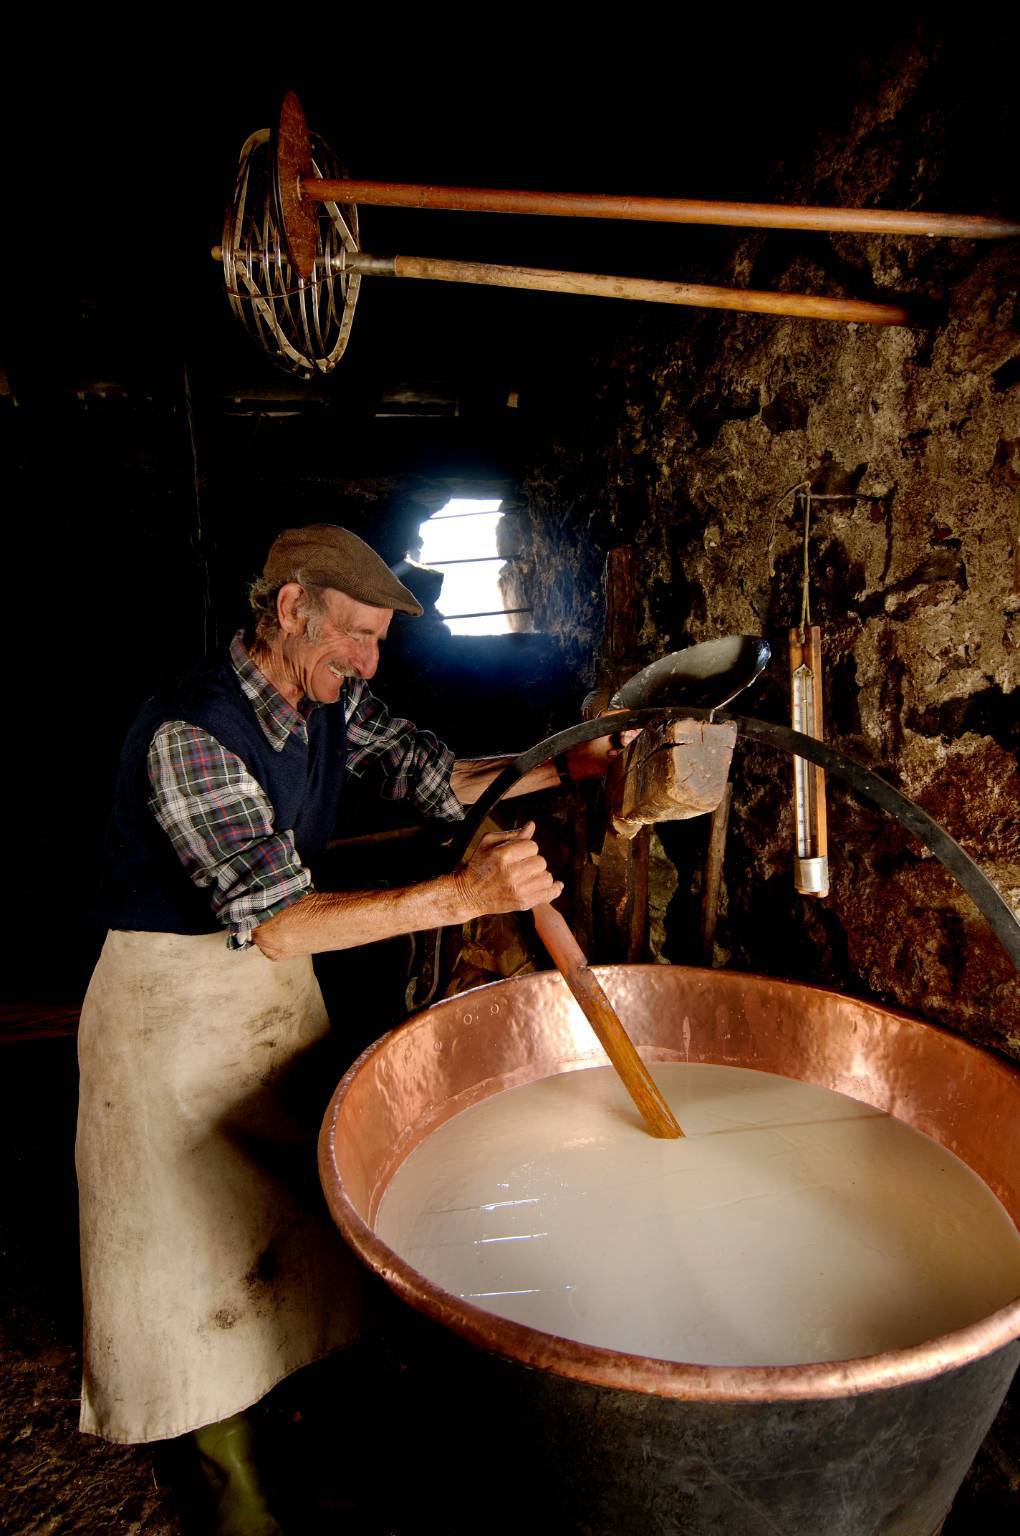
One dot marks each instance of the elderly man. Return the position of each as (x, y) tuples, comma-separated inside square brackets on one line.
[(210, 1271)]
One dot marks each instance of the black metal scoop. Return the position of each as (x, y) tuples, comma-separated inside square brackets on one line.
[(704, 676)]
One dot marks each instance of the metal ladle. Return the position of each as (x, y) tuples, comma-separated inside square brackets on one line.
[(705, 676)]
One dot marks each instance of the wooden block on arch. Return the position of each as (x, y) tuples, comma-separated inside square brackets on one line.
[(672, 771)]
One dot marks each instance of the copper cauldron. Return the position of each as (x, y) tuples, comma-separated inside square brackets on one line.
[(515, 1429)]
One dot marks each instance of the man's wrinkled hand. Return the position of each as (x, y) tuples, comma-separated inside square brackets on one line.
[(506, 873), (591, 759)]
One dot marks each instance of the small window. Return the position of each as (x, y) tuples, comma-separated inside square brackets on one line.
[(460, 541)]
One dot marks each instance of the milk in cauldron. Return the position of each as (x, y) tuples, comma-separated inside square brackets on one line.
[(792, 1224)]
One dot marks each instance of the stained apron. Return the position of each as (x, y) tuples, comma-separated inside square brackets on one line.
[(210, 1267)]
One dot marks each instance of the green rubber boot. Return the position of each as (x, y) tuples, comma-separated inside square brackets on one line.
[(226, 1453)]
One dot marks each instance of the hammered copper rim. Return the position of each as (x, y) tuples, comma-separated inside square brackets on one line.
[(481, 1042)]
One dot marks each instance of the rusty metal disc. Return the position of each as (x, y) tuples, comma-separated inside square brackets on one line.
[(292, 156)]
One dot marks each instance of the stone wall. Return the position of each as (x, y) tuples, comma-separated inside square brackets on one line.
[(685, 438)]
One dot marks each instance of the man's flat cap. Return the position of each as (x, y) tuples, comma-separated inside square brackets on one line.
[(323, 555)]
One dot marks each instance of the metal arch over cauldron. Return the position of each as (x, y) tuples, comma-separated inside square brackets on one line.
[(871, 785)]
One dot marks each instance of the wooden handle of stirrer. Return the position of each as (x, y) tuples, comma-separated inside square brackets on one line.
[(648, 290), (598, 1010)]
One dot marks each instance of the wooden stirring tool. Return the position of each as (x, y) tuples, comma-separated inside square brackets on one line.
[(573, 966)]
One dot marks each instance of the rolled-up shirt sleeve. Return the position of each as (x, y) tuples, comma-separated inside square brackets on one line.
[(220, 822), (415, 765)]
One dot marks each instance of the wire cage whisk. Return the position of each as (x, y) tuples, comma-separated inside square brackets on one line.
[(304, 324)]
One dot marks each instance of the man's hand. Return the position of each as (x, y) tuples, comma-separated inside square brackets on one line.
[(506, 873), (592, 758)]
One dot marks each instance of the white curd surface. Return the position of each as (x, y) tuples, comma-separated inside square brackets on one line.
[(791, 1224)]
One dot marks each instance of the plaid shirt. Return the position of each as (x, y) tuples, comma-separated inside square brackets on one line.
[(220, 819)]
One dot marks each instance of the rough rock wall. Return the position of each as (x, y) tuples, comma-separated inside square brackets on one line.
[(687, 439)]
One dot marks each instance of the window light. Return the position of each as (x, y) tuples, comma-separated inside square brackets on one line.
[(460, 541)]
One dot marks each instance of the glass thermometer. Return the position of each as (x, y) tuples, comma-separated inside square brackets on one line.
[(811, 861)]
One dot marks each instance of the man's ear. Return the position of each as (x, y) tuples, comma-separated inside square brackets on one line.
[(288, 603)]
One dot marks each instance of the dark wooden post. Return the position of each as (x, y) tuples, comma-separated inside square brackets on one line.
[(621, 886)]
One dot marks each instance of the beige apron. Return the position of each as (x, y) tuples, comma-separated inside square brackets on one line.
[(210, 1267)]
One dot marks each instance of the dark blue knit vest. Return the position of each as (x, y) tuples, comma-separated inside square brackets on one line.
[(145, 886)]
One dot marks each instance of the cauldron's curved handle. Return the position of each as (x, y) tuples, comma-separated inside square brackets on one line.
[(946, 849)]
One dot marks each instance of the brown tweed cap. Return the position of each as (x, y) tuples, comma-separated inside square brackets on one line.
[(323, 555)]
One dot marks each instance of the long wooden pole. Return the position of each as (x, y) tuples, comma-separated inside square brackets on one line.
[(658, 210), (645, 289), (573, 966)]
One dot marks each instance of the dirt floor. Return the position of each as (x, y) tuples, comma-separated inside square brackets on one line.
[(327, 1433)]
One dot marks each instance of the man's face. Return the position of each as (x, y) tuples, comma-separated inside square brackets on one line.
[(342, 642)]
